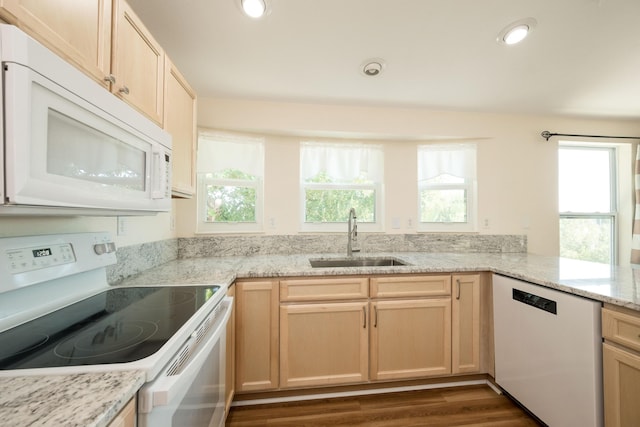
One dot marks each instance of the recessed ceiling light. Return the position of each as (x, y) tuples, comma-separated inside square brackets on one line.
[(516, 32), (372, 67), (254, 8)]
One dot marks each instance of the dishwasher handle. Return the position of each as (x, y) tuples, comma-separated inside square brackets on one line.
[(536, 301)]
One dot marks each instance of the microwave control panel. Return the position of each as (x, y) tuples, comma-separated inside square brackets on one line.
[(35, 258)]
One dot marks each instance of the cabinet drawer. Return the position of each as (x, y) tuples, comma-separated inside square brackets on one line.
[(621, 328), (412, 286), (324, 289)]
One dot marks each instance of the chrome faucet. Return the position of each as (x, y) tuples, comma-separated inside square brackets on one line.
[(352, 232)]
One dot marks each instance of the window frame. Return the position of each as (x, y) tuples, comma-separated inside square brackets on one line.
[(339, 226), (470, 188), (202, 181), (614, 199)]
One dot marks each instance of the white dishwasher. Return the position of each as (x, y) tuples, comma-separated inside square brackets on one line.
[(548, 352)]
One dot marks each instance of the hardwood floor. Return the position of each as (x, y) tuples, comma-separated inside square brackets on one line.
[(457, 406)]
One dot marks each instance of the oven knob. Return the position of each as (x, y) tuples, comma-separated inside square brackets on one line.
[(100, 248), (104, 248)]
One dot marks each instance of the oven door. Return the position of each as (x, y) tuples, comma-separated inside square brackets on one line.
[(191, 395)]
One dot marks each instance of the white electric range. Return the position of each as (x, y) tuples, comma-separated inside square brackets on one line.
[(58, 315)]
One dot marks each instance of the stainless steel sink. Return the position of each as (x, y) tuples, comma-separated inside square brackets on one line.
[(355, 262)]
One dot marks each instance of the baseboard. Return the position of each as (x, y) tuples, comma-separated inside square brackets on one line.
[(313, 394)]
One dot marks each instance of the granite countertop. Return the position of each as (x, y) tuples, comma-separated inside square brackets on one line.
[(78, 400), (94, 399), (601, 282)]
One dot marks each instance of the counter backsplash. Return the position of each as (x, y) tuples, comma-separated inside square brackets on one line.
[(212, 246), (137, 258)]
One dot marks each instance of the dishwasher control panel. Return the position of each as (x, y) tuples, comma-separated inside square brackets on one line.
[(535, 301)]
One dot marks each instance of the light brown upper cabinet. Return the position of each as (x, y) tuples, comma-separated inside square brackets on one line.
[(78, 31), (105, 39), (137, 63), (180, 121)]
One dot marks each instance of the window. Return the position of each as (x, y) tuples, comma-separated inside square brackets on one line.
[(230, 181), (334, 177), (588, 202), (446, 187)]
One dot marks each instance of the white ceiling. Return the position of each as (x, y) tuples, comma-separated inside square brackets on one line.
[(582, 59)]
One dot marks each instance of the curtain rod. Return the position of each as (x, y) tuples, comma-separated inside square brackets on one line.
[(546, 135)]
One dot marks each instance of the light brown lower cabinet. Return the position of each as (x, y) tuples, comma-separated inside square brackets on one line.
[(465, 323), (621, 366), (322, 331), (410, 338), (621, 387), (323, 344), (127, 416), (257, 335)]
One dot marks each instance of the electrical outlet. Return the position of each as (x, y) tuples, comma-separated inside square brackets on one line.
[(409, 223), (272, 222), (395, 222), (485, 223), (122, 226)]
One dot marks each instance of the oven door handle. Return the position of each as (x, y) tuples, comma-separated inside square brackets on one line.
[(166, 388)]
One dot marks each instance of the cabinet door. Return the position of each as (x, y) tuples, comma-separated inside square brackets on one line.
[(137, 63), (126, 417), (256, 335), (322, 344), (621, 387), (78, 31), (230, 368), (180, 122), (410, 338), (465, 344)]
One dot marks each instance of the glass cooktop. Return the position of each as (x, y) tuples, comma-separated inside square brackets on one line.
[(116, 326)]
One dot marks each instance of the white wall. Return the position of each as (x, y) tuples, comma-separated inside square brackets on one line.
[(138, 229), (517, 169)]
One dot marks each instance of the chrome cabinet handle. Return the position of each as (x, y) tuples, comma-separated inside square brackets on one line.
[(124, 90), (458, 292), (110, 79), (364, 312)]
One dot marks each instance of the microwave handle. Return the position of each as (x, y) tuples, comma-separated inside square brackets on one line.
[(161, 168)]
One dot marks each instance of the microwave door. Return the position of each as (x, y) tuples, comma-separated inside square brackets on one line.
[(64, 151)]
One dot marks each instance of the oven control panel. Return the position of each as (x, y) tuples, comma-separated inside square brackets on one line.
[(35, 258)]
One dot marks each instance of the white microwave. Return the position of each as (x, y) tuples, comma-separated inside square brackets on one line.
[(70, 146)]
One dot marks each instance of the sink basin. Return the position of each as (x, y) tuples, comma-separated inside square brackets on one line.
[(355, 262)]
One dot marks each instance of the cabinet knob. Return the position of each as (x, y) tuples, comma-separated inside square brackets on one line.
[(110, 79), (124, 90)]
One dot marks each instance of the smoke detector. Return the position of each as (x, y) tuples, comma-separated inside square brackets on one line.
[(372, 67)]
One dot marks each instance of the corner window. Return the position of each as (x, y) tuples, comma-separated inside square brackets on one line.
[(230, 182), (447, 187), (334, 177), (587, 202)]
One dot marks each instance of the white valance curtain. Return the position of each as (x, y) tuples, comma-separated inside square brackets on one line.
[(446, 159), (342, 162), (218, 151)]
